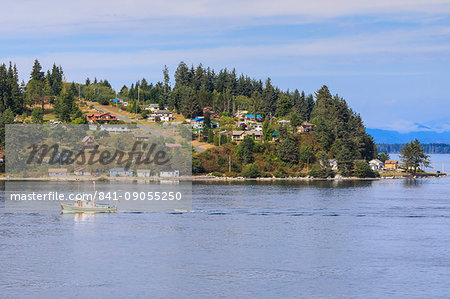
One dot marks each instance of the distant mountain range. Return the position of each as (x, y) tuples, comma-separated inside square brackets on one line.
[(394, 137)]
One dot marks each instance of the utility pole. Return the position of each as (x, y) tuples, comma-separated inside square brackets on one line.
[(229, 163)]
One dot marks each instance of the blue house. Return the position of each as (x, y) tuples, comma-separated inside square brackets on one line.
[(253, 117), (197, 123), (120, 171)]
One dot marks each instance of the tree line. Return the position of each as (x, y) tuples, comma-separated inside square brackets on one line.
[(339, 131), (429, 148)]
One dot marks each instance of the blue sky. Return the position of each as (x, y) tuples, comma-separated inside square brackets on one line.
[(389, 59)]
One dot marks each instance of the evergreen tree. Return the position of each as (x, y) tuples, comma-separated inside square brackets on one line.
[(6, 117), (36, 72), (284, 105), (267, 130), (182, 75), (288, 151), (269, 98), (245, 150), (37, 115), (36, 85), (413, 156)]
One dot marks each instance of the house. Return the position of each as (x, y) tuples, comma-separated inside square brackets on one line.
[(88, 142), (241, 114), (376, 164), (81, 171), (252, 118), (197, 123), (237, 135), (103, 118), (57, 172), (283, 122), (172, 145), (391, 164), (143, 173), (120, 171), (305, 127), (118, 101), (141, 137), (257, 135), (275, 135), (152, 107), (257, 127), (161, 115), (333, 164), (169, 174), (115, 129)]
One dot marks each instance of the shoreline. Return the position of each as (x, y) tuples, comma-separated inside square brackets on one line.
[(207, 179)]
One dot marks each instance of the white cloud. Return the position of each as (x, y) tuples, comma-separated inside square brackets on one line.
[(65, 17)]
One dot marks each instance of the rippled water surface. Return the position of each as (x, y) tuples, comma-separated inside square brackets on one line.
[(366, 239)]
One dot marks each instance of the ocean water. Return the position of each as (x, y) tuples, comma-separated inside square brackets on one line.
[(351, 239)]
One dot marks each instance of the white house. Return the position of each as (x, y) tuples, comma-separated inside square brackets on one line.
[(333, 164), (161, 115), (143, 173), (197, 123), (56, 172), (115, 129), (169, 174), (152, 107), (376, 164)]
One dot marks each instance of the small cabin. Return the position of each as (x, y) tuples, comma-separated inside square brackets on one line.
[(305, 127), (237, 135), (81, 171), (143, 173), (141, 137), (169, 174), (197, 123), (57, 172), (391, 164), (120, 172), (104, 118), (172, 145), (376, 164), (88, 142), (257, 135)]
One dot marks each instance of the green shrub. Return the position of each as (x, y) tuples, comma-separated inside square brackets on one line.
[(280, 173), (363, 170), (251, 171)]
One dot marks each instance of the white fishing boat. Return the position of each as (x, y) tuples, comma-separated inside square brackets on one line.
[(87, 206)]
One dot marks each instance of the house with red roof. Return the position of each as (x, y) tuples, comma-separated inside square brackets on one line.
[(102, 118)]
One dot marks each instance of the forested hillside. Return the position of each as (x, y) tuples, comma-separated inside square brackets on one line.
[(339, 132)]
